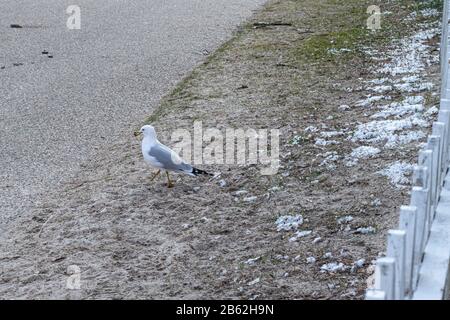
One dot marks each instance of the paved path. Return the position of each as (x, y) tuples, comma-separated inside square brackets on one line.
[(101, 82)]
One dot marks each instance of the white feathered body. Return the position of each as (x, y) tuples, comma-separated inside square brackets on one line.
[(176, 163)]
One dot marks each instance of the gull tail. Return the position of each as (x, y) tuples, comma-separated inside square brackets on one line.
[(196, 172)]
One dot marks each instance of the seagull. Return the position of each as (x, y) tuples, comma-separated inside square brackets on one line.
[(163, 158)]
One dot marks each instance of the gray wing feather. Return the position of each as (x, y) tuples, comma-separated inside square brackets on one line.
[(164, 156)]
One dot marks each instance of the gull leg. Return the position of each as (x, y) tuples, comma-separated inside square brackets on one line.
[(155, 175), (169, 183)]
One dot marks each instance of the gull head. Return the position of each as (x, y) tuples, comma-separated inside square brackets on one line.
[(148, 132)]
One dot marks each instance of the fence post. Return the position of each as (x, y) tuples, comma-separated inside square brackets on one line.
[(419, 178), (426, 160), (439, 131), (386, 272), (444, 104), (408, 224), (396, 250), (444, 117), (422, 178), (374, 294), (419, 200), (445, 92), (443, 53), (433, 145), (444, 80)]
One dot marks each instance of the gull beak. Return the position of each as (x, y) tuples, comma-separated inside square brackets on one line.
[(137, 133)]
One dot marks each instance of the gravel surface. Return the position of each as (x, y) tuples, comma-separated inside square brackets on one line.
[(95, 84)]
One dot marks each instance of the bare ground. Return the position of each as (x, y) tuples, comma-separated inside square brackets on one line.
[(133, 239)]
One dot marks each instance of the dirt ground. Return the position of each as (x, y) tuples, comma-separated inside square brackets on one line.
[(136, 239)]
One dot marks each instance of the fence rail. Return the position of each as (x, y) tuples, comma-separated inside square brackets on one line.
[(417, 259)]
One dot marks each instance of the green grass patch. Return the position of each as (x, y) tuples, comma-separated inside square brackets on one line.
[(328, 46), (433, 4)]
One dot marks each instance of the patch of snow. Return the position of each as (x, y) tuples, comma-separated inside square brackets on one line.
[(287, 223), (410, 54), (381, 89), (366, 230), (398, 172), (329, 134), (359, 263), (330, 158), (281, 257), (411, 79), (371, 100), (311, 129), (344, 107), (413, 87), (379, 81), (430, 12), (300, 234), (406, 138), (327, 255), (323, 142), (310, 260), (250, 199), (252, 261), (384, 130), (335, 51), (364, 152), (413, 100), (426, 86), (333, 267), (431, 112), (345, 219), (397, 110), (251, 283), (376, 202), (296, 140), (426, 13)]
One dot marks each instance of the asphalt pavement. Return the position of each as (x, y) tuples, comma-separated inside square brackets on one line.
[(65, 94)]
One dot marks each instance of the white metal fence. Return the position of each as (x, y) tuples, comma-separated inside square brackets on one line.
[(416, 265)]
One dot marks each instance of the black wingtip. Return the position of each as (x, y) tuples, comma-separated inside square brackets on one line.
[(197, 172)]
